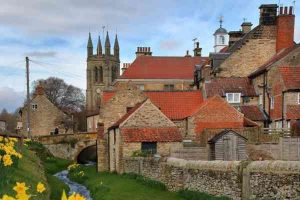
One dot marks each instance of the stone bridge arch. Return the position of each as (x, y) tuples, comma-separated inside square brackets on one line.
[(68, 146)]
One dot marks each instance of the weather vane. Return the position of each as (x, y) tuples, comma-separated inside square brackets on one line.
[(221, 21)]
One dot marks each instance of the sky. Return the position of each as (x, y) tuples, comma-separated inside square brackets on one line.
[(54, 33)]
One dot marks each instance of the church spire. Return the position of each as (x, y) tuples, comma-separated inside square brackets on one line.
[(116, 47), (90, 46), (107, 44), (99, 46)]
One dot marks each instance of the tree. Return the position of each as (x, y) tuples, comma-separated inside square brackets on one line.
[(68, 98), (10, 118)]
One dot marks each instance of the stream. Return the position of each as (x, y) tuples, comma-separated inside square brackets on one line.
[(74, 187)]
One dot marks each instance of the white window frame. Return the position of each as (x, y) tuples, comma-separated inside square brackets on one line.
[(288, 124), (141, 86), (34, 106), (236, 97), (272, 103), (298, 97)]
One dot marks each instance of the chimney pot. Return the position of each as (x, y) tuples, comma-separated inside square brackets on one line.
[(281, 10), (285, 10), (291, 10)]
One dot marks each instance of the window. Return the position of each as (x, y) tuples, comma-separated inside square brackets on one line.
[(288, 124), (169, 87), (222, 39), (299, 98), (272, 103), (260, 99), (278, 124), (96, 74), (100, 74), (34, 106), (233, 97), (141, 87), (149, 147)]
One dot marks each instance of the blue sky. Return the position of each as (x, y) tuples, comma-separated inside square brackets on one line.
[(54, 33)]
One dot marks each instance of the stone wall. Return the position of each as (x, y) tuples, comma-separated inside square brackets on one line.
[(236, 179)]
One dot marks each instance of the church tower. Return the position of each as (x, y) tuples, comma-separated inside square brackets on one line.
[(221, 37), (102, 70)]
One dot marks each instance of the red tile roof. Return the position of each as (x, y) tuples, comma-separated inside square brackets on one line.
[(291, 77), (175, 105), (221, 86), (253, 113), (293, 112), (107, 95), (278, 56), (217, 113), (156, 67), (170, 134), (224, 50)]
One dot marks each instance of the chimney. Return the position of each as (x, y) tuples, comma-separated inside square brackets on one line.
[(285, 28), (246, 27), (187, 54), (39, 90), (197, 50), (100, 130), (125, 67), (268, 13), (146, 51)]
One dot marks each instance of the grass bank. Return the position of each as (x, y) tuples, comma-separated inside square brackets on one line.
[(111, 186), (28, 169), (51, 165)]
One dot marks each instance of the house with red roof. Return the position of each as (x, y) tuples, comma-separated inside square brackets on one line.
[(161, 73), (144, 129)]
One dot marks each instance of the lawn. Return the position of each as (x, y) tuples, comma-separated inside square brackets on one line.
[(111, 186)]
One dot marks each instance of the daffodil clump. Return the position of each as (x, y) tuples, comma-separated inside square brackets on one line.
[(22, 193), (8, 153), (74, 196), (76, 173)]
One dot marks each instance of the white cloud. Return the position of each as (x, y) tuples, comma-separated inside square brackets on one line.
[(10, 99)]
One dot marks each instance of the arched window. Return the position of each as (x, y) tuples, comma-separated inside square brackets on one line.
[(222, 39), (114, 72), (96, 74), (100, 74)]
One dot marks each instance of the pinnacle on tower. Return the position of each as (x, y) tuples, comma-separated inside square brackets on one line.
[(99, 46), (90, 46), (116, 47), (107, 44)]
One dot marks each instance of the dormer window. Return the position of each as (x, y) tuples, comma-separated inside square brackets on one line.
[(34, 106), (233, 97)]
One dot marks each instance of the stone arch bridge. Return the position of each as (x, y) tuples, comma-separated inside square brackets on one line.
[(79, 147)]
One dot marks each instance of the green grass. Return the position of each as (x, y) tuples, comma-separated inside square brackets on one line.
[(111, 186), (51, 165), (29, 170)]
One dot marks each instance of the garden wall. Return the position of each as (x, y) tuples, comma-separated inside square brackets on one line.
[(236, 179)]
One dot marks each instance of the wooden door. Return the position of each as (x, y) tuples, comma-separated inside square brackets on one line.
[(230, 147)]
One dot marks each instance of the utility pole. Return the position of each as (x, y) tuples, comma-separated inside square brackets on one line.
[(28, 98)]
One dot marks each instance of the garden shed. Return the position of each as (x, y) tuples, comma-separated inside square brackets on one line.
[(228, 145)]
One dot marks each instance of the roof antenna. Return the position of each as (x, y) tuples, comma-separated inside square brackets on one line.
[(194, 40), (244, 19), (103, 28)]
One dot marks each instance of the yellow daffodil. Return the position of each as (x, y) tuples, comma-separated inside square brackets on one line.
[(20, 188), (6, 197), (7, 161), (40, 187), (76, 197), (22, 196), (64, 196)]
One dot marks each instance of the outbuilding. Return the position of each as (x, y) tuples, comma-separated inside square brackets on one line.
[(228, 145)]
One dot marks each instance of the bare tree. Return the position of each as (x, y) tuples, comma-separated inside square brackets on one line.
[(67, 97)]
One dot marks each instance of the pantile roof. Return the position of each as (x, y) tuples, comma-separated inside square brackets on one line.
[(253, 112), (221, 86), (293, 112), (165, 134), (159, 67), (175, 105), (291, 77)]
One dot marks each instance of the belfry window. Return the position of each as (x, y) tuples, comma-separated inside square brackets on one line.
[(222, 39), (96, 74), (100, 74)]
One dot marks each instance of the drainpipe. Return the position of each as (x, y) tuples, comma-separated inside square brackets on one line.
[(282, 111)]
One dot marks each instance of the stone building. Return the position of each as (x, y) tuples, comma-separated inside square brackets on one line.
[(144, 128), (103, 68), (161, 73), (44, 116), (3, 125)]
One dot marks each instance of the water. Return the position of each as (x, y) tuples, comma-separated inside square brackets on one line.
[(74, 187)]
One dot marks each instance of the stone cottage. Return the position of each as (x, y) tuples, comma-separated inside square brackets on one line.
[(143, 129), (44, 116)]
